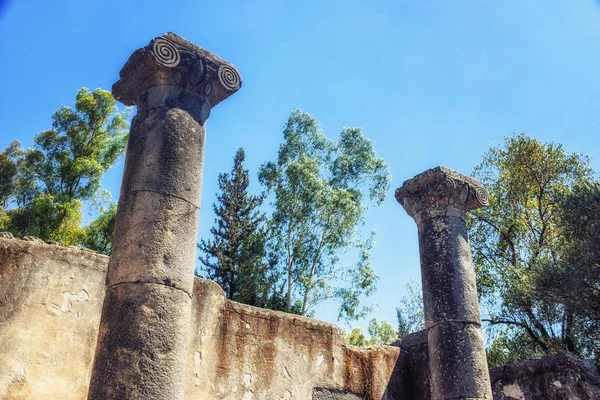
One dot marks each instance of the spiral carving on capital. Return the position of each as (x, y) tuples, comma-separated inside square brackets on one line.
[(441, 191), (166, 53), (173, 63), (229, 77), (482, 196)]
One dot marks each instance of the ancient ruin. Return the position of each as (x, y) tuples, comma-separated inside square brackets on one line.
[(75, 324), (144, 330), (438, 200)]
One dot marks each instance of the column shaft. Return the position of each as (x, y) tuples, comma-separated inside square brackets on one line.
[(438, 200), (456, 351), (144, 328)]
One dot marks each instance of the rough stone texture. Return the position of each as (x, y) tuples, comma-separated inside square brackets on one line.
[(145, 320), (328, 394), (459, 359), (447, 272), (557, 377), (156, 241), (161, 340), (243, 352), (440, 191), (199, 79), (50, 303), (413, 367), (438, 200), (550, 378)]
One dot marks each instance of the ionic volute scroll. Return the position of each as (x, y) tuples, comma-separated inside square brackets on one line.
[(172, 70), (441, 191)]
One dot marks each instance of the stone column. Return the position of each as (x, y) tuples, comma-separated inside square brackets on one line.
[(438, 200), (144, 330)]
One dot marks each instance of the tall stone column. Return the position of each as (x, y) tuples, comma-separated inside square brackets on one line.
[(438, 200), (144, 330)]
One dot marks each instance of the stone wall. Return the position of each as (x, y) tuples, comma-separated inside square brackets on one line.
[(50, 304), (549, 378), (243, 352)]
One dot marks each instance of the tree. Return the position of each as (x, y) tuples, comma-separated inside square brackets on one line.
[(99, 233), (574, 280), (321, 191), (381, 332), (48, 184), (410, 315), (8, 171), (356, 338), (517, 239), (234, 256)]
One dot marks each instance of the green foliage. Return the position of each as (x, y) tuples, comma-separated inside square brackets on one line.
[(356, 338), (321, 191), (8, 171), (235, 255), (410, 312), (46, 185), (70, 158), (517, 240), (574, 279), (511, 345), (99, 233), (380, 333), (48, 219)]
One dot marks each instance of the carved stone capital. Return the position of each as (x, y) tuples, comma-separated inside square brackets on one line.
[(174, 72), (441, 191)]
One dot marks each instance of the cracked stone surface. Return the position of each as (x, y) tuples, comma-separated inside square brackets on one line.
[(47, 353), (438, 200), (50, 302)]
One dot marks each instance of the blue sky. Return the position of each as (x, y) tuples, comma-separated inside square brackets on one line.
[(430, 82)]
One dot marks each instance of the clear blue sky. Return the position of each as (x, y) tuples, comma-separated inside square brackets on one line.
[(430, 82)]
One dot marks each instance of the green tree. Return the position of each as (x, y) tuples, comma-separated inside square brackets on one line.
[(410, 315), (356, 338), (99, 233), (235, 255), (381, 332), (8, 171), (574, 279), (517, 239), (64, 168), (321, 190)]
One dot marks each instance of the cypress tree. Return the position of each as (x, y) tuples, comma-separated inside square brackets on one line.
[(234, 255)]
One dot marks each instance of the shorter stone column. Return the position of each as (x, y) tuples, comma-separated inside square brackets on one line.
[(438, 200)]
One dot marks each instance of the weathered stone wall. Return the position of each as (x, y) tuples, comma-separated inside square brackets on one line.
[(50, 304), (243, 352), (549, 378)]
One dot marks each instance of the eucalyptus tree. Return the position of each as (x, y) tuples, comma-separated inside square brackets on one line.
[(321, 191)]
